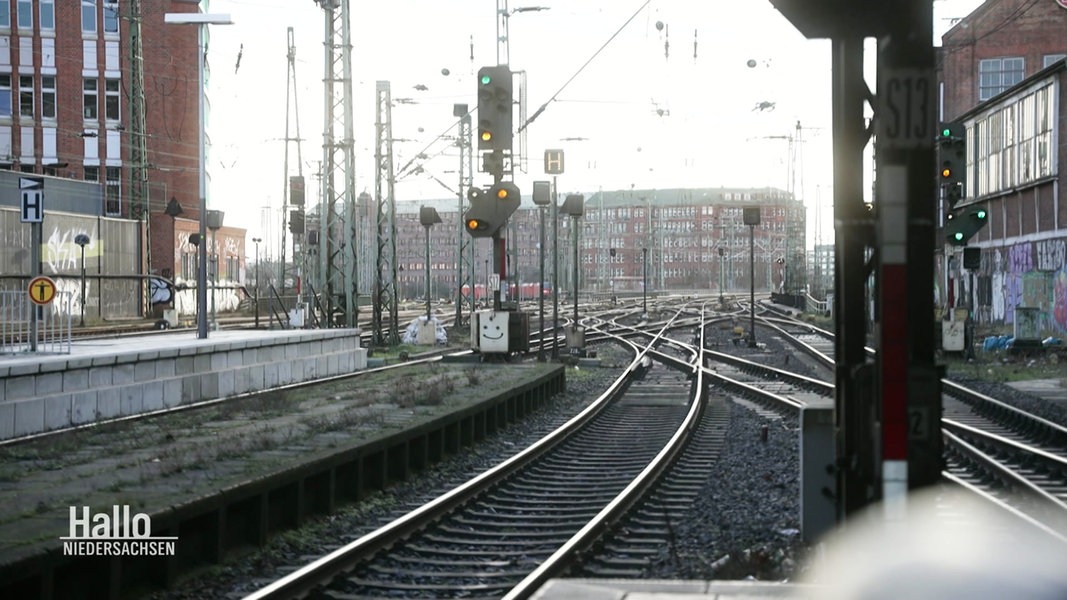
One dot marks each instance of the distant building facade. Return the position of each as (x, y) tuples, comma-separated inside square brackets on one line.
[(683, 231)]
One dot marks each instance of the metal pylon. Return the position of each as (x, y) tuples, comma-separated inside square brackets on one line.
[(465, 247), (139, 201), (385, 303), (338, 228)]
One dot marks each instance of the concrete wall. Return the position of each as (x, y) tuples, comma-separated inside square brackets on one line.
[(59, 391)]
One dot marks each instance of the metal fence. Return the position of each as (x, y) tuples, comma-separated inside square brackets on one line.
[(53, 323)]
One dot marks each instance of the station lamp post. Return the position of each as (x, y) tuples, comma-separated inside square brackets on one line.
[(428, 217), (202, 20), (751, 217), (644, 283), (256, 241), (82, 240)]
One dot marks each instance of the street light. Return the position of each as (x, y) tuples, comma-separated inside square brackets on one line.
[(202, 20), (751, 216), (644, 284), (214, 223), (722, 252), (428, 217), (255, 295), (82, 240)]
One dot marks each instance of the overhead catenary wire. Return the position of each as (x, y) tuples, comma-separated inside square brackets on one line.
[(584, 65)]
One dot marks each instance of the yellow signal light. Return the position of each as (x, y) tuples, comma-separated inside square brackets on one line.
[(486, 135), (502, 194), (946, 173), (476, 224)]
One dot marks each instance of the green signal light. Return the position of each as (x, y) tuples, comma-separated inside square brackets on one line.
[(946, 132), (981, 214), (958, 236), (486, 79)]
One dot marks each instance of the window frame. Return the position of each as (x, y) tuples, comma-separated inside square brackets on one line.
[(1000, 76), (88, 10), (6, 93), (48, 97), (27, 97), (112, 99), (94, 106), (47, 7), (24, 14)]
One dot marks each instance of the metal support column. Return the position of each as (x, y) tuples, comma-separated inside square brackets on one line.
[(853, 401), (338, 229), (385, 303)]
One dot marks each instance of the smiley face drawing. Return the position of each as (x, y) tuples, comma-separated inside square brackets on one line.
[(493, 332)]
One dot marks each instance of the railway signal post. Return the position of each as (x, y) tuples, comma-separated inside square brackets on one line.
[(886, 412)]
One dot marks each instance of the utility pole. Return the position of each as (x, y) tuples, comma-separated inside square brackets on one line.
[(385, 305), (292, 111), (338, 230), (138, 141)]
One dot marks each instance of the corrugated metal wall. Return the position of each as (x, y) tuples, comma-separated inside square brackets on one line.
[(113, 262)]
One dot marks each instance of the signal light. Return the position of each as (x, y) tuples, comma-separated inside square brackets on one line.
[(961, 226), (477, 225), (495, 113), (952, 158)]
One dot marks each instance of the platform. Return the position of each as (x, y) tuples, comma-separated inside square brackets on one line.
[(680, 589), (122, 376)]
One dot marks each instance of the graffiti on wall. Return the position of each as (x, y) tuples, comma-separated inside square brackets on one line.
[(1030, 274)]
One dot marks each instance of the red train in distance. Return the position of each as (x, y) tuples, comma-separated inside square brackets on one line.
[(526, 291)]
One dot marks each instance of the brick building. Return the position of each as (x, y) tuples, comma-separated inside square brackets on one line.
[(682, 229), (67, 86), (1002, 75)]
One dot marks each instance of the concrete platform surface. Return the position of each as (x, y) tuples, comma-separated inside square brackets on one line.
[(624, 589), (149, 342)]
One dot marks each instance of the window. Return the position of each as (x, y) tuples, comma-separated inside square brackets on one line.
[(88, 16), (89, 100), (5, 94), (48, 96), (111, 17), (26, 96), (25, 14), (189, 266), (1012, 146), (1051, 58), (112, 198), (5, 14), (48, 15), (111, 99), (92, 173), (998, 74)]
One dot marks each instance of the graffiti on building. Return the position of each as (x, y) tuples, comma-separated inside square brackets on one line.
[(1050, 254), (62, 255), (1031, 275)]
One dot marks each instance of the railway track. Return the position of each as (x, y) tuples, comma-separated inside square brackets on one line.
[(509, 529)]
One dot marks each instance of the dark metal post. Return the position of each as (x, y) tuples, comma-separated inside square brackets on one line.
[(427, 273), (752, 286), (541, 290), (574, 223), (555, 268), (853, 404), (81, 240), (722, 275), (644, 283), (255, 296), (485, 292)]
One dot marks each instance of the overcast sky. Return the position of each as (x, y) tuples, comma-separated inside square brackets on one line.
[(655, 112)]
